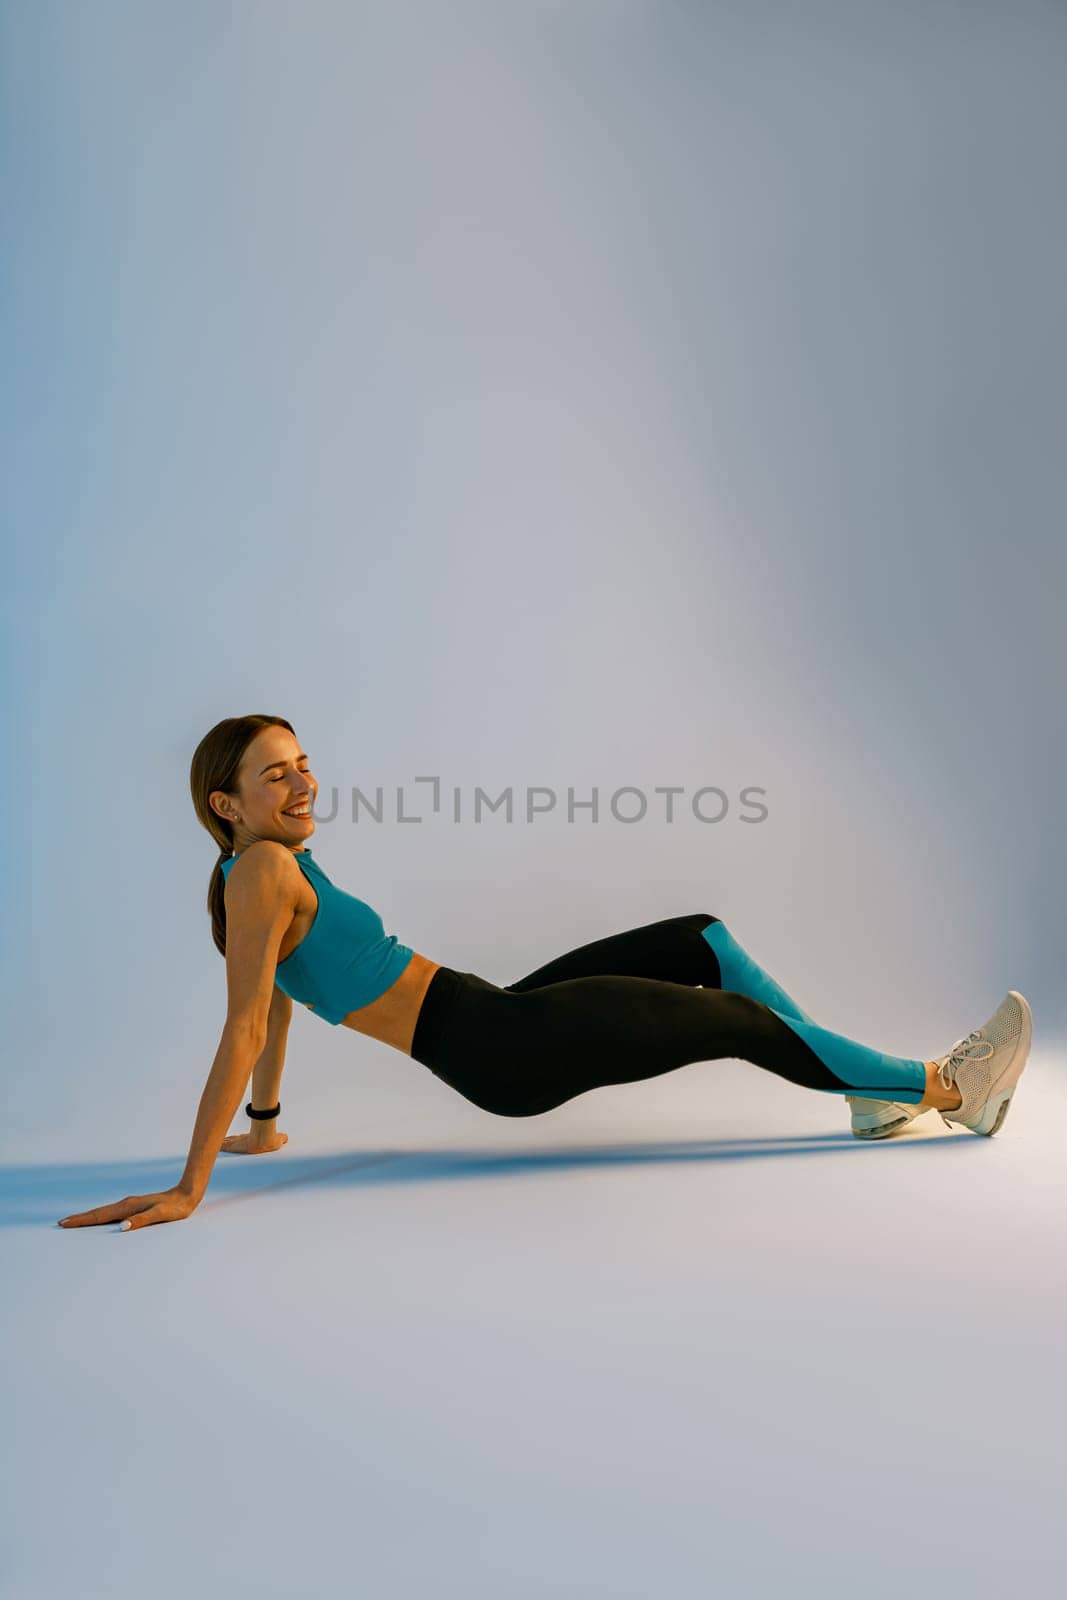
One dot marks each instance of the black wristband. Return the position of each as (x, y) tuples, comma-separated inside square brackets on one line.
[(263, 1116)]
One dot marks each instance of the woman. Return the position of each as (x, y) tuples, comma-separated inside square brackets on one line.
[(625, 1008)]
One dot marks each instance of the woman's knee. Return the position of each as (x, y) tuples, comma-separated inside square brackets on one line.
[(700, 920)]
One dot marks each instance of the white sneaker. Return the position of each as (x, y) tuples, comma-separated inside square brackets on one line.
[(986, 1066), (880, 1119)]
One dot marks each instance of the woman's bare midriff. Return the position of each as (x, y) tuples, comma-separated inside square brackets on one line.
[(392, 1017)]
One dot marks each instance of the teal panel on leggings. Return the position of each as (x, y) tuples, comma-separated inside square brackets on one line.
[(880, 1076), (745, 976)]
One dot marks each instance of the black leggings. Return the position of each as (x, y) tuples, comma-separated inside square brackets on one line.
[(629, 1007)]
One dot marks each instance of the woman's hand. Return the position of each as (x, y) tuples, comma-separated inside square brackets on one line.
[(137, 1210), (255, 1142)]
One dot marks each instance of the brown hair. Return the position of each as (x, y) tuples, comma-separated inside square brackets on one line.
[(215, 764)]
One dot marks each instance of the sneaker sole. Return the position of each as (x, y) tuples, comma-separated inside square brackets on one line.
[(996, 1107), (883, 1129)]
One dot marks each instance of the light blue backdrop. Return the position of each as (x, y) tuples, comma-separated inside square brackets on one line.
[(558, 395)]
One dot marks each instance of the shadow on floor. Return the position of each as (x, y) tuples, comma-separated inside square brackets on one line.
[(44, 1193)]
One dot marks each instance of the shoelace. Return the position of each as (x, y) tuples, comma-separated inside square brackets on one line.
[(973, 1048)]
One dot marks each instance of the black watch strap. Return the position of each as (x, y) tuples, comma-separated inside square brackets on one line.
[(263, 1116)]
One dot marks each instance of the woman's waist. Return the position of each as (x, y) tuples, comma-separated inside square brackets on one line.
[(392, 1017), (453, 994)]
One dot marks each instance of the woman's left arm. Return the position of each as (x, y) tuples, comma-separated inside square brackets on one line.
[(264, 1136)]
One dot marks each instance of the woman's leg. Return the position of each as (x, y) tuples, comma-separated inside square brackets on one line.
[(522, 1053), (697, 949)]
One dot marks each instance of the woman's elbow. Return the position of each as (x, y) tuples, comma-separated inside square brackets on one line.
[(245, 1031)]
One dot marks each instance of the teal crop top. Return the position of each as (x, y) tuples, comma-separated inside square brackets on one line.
[(344, 961)]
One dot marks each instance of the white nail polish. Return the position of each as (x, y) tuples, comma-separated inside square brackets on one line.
[(123, 1225)]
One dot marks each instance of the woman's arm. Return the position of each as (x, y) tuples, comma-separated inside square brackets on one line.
[(259, 908), (264, 1135), (260, 901), (267, 1072), (223, 1093)]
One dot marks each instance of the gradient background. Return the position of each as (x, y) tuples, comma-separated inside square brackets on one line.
[(573, 394)]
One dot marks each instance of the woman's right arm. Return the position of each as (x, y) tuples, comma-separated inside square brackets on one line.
[(230, 1071), (260, 901)]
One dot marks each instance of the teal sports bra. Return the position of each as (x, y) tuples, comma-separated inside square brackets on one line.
[(344, 961)]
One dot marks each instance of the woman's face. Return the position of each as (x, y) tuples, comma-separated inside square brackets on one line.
[(275, 793)]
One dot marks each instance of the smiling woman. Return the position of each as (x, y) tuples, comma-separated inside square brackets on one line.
[(251, 776), (631, 1006)]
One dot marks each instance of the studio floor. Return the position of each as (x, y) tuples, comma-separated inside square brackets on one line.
[(685, 1337)]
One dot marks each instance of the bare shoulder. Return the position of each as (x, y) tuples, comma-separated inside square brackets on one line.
[(260, 900), (263, 883), (264, 863)]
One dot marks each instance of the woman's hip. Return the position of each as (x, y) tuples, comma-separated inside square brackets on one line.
[(468, 1035)]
